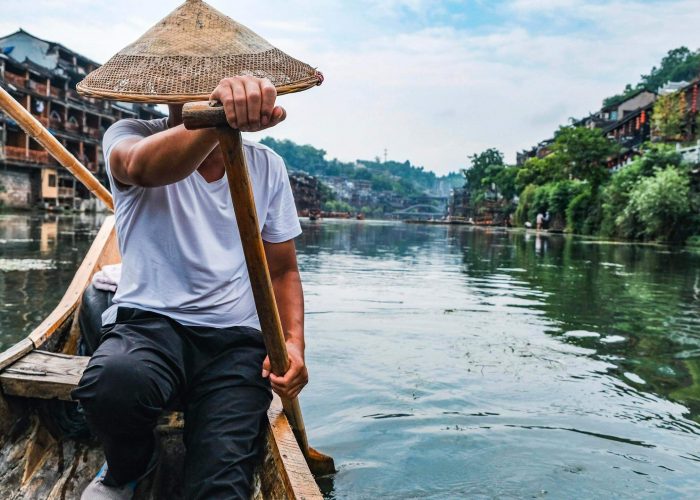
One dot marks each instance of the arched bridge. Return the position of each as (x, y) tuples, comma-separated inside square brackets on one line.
[(420, 211)]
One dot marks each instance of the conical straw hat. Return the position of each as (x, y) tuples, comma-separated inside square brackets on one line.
[(185, 55)]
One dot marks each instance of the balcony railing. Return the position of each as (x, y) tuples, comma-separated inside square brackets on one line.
[(66, 192), (41, 88), (72, 127), (26, 155), (93, 132), (16, 80)]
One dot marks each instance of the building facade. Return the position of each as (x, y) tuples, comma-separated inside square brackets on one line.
[(42, 75)]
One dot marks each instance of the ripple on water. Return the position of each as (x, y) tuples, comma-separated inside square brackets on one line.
[(26, 264)]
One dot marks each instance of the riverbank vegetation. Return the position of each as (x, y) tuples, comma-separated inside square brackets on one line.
[(653, 197), (402, 178), (656, 197)]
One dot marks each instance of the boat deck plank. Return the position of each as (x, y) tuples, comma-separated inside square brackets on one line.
[(44, 375)]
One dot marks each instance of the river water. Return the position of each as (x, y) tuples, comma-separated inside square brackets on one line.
[(451, 362)]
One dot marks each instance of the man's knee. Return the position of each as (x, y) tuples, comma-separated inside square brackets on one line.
[(116, 386)]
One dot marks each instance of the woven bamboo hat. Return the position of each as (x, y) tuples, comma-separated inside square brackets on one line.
[(185, 55)]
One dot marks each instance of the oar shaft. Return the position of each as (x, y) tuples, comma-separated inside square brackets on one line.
[(35, 129), (256, 262)]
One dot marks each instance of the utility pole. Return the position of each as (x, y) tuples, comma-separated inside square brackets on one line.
[(385, 154)]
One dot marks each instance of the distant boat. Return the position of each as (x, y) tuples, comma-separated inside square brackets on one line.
[(39, 423)]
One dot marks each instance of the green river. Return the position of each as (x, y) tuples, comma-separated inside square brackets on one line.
[(453, 362)]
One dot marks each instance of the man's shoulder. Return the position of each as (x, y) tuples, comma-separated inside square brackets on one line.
[(263, 154), (260, 148)]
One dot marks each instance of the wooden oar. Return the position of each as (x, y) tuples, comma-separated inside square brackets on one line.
[(203, 115), (35, 129)]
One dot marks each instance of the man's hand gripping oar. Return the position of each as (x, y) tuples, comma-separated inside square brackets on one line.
[(206, 115)]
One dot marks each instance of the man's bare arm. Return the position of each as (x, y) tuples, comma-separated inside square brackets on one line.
[(286, 283), (173, 154)]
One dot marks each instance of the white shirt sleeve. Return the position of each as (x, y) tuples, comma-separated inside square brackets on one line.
[(115, 134), (282, 221)]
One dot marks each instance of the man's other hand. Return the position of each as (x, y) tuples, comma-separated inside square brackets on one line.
[(291, 384), (249, 103)]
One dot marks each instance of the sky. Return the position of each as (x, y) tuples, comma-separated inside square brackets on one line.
[(430, 81)]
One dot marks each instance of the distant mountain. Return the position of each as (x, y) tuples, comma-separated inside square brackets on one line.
[(404, 178)]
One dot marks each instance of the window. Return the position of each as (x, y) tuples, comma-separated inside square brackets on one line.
[(52, 180)]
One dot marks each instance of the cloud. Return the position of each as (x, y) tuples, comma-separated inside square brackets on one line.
[(432, 92)]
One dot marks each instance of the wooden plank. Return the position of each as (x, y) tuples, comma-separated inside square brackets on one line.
[(44, 375), (15, 352), (102, 252), (284, 447)]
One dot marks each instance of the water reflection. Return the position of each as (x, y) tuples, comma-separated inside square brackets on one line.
[(38, 256)]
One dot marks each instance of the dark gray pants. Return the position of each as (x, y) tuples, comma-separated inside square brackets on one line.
[(146, 362)]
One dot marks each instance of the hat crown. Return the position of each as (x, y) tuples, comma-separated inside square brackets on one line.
[(196, 29), (185, 55)]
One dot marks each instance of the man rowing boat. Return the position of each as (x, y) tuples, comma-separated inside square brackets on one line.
[(183, 330)]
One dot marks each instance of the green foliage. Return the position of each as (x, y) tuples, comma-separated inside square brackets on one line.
[(615, 198), (618, 220), (327, 193), (483, 167), (525, 203), (658, 155), (488, 175), (539, 171), (577, 153), (404, 178), (679, 64), (582, 153), (583, 212), (662, 205), (337, 206), (670, 116)]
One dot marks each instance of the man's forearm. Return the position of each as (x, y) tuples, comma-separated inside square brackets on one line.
[(168, 156), (290, 303)]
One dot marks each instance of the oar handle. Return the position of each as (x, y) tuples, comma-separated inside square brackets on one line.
[(35, 129), (203, 114)]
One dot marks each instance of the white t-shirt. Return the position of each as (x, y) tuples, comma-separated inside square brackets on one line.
[(180, 246)]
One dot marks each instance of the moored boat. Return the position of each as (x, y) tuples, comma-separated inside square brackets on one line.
[(46, 450)]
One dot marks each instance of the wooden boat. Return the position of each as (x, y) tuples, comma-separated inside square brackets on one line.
[(42, 454)]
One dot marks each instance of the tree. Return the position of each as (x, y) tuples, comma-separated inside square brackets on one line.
[(662, 205), (582, 153), (483, 167), (670, 117), (539, 171), (679, 64)]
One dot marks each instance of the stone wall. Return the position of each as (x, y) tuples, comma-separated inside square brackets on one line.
[(16, 189)]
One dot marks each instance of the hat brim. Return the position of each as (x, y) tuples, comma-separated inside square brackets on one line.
[(178, 79)]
